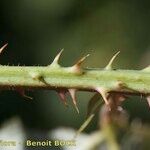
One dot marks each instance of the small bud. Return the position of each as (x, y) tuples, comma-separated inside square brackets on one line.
[(35, 75), (123, 86), (109, 66), (120, 85), (74, 100)]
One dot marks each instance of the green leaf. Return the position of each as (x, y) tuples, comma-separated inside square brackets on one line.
[(94, 104)]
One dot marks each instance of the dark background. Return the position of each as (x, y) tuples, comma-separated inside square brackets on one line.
[(37, 29)]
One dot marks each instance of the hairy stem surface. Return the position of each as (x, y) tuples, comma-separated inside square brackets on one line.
[(55, 77)]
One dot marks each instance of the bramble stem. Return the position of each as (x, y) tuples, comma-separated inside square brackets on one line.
[(56, 77)]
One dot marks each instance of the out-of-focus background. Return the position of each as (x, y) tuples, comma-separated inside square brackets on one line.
[(37, 30)]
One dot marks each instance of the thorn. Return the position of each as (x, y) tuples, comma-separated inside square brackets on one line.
[(104, 94), (3, 47), (148, 100), (56, 59), (22, 93), (109, 66), (147, 69), (80, 61), (62, 95), (72, 94), (77, 67)]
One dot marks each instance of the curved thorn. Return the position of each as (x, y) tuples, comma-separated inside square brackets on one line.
[(81, 60), (56, 59), (104, 93), (74, 100), (62, 95), (22, 93), (148, 100), (77, 67), (109, 66), (3, 47)]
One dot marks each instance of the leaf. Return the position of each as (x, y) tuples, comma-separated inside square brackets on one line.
[(84, 125), (94, 104)]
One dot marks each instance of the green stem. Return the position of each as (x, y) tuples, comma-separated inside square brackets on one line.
[(55, 77)]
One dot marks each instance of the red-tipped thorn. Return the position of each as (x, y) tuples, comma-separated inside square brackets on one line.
[(3, 47), (62, 95), (22, 93), (74, 100)]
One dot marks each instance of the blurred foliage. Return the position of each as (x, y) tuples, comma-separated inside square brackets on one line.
[(37, 30)]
